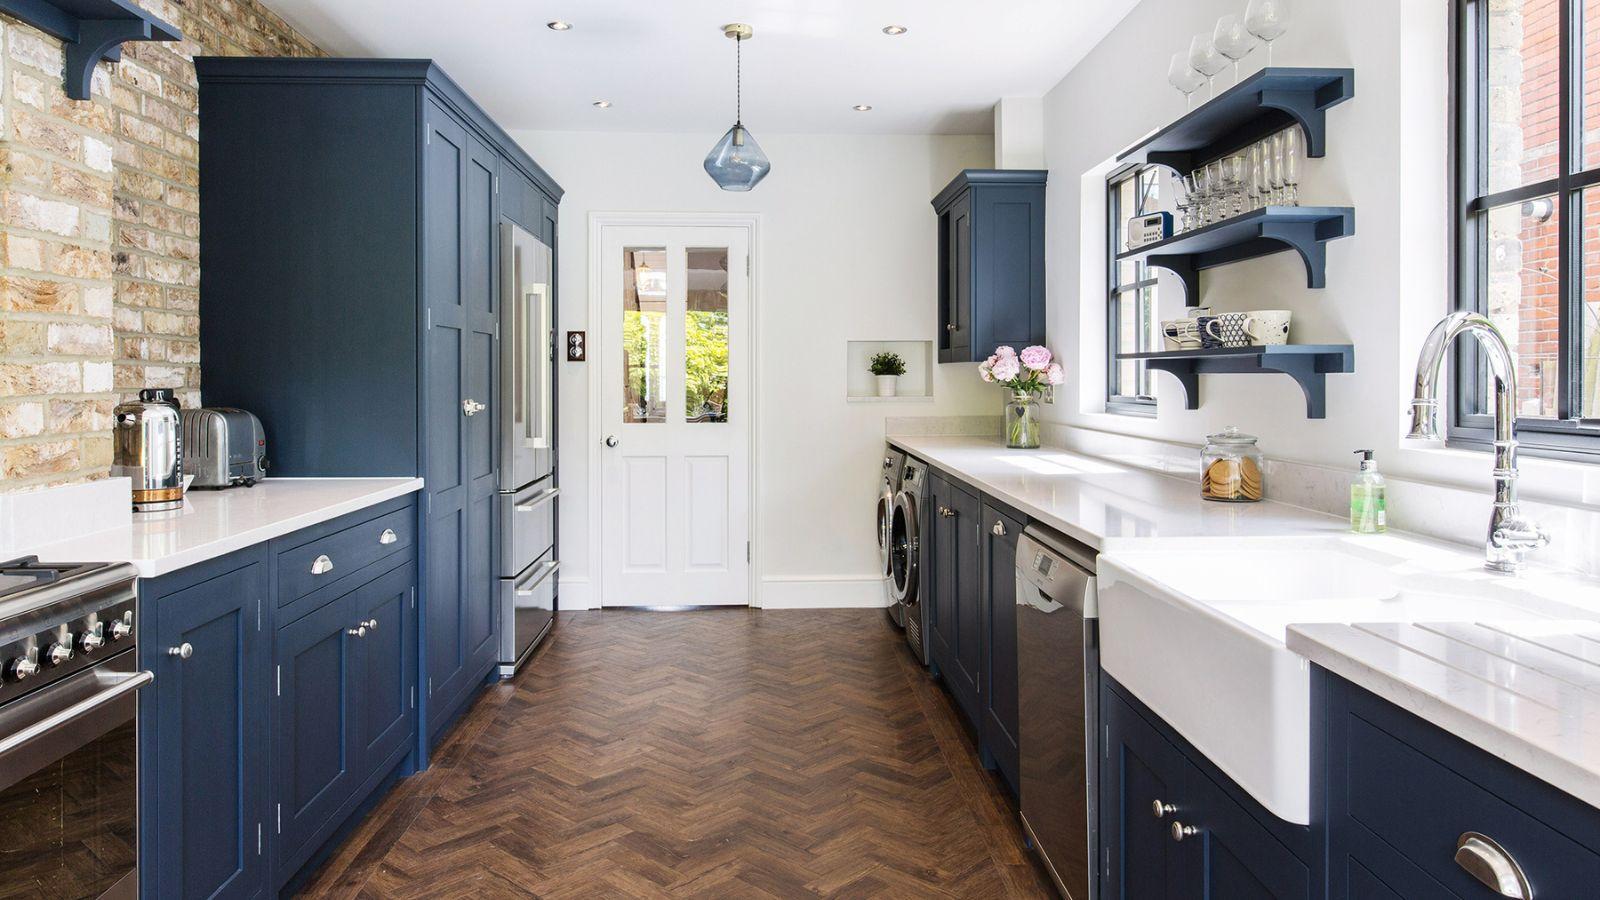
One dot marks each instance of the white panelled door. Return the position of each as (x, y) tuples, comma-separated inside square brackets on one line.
[(674, 352)]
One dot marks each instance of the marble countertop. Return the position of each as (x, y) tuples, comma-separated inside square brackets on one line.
[(215, 523), (1525, 691), (1104, 503)]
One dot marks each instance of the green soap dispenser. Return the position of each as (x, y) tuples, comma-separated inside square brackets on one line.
[(1368, 505)]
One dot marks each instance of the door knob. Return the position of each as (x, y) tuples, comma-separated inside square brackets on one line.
[(611, 440), (471, 407), (1163, 809), (182, 651), (370, 624), (1181, 831), (359, 631)]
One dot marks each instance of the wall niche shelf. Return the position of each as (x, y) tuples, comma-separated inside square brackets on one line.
[(1265, 103), (1307, 364), (90, 30), (915, 386), (1260, 232)]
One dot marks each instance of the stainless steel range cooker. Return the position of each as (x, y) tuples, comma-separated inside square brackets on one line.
[(69, 680)]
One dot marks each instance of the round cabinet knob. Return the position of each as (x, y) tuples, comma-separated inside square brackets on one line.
[(360, 631), (611, 440), (23, 667), (58, 654), (950, 327), (91, 641), (1162, 810), (1181, 831), (470, 407), (182, 651), (372, 624)]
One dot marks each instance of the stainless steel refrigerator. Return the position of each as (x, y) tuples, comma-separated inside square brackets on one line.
[(528, 490)]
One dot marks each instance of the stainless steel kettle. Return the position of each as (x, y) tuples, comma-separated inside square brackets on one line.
[(147, 447)]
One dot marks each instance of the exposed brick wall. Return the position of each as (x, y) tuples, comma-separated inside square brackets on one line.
[(99, 231)]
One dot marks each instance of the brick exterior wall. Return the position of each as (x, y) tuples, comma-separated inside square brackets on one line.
[(99, 232)]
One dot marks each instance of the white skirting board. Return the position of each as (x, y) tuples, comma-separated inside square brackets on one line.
[(822, 592), (573, 594)]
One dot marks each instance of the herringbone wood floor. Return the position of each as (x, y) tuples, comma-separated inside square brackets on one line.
[(726, 753)]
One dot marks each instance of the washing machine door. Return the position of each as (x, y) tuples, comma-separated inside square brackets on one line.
[(885, 517), (904, 543)]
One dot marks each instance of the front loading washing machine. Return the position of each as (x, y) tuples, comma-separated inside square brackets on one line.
[(888, 486), (907, 525)]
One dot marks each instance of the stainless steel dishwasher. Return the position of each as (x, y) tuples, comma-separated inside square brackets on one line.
[(1058, 689)]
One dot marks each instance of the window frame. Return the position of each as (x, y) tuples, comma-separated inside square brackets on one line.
[(1116, 220), (1565, 436)]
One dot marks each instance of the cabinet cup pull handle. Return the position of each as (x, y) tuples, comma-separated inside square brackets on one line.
[(1181, 831), (360, 631), (182, 651), (388, 536), (999, 528), (1162, 810), (1487, 861), (322, 565)]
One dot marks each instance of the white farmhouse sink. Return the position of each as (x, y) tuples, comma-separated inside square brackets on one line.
[(1195, 628)]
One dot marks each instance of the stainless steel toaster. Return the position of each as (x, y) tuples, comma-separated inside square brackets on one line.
[(223, 447)]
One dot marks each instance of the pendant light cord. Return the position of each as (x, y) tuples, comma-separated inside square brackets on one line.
[(738, 80)]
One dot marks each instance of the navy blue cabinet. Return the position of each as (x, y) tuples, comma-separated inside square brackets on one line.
[(1403, 793), (1173, 826), (997, 694), (366, 337), (955, 627), (269, 725), (991, 262), (203, 729)]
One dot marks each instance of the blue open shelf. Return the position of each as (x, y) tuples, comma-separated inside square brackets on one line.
[(1307, 364), (1260, 232), (1265, 103), (91, 30)]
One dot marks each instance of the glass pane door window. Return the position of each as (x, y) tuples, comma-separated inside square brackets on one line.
[(705, 327), (644, 325)]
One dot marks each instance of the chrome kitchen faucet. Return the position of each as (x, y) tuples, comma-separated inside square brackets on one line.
[(1511, 536)]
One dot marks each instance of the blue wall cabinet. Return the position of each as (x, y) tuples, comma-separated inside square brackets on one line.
[(1173, 826), (366, 338), (997, 693), (991, 262), (1402, 793), (203, 729)]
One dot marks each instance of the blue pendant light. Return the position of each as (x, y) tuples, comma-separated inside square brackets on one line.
[(737, 162)]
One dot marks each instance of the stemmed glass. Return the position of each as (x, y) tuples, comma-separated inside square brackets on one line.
[(1291, 167), (1233, 40), (1232, 169), (1267, 20), (1192, 212), (1275, 177), (1205, 59), (1182, 76), (1260, 187)]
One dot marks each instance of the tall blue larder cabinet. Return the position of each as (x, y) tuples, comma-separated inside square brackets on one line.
[(349, 212)]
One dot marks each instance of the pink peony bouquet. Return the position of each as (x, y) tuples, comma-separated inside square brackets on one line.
[(1028, 372)]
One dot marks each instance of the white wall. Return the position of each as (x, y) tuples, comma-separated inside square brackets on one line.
[(847, 252), (1387, 156)]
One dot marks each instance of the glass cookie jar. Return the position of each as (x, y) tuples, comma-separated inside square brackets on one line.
[(1232, 469)]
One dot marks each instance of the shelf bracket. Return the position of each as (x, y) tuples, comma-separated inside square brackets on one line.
[(1183, 266), (1301, 237), (1307, 373), (1187, 377), (89, 30), (98, 39), (1305, 109)]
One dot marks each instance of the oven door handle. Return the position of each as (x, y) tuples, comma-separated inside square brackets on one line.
[(533, 503), (536, 578), (120, 687)]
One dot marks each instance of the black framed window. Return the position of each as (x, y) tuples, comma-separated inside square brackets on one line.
[(1527, 222), (1132, 324)]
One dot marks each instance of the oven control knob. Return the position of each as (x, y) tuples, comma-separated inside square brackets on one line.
[(121, 628), (23, 667), (93, 639), (58, 654)]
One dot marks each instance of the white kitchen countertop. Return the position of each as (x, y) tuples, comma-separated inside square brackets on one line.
[(1527, 692), (215, 523), (1103, 503)]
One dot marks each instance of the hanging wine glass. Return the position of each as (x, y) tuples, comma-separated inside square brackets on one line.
[(1182, 76), (1205, 59), (1267, 20), (1234, 40)]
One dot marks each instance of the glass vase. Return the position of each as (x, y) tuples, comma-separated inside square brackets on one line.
[(1022, 421)]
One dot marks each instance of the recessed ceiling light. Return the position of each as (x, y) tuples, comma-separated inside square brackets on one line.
[(862, 107), (558, 25), (895, 30), (602, 104)]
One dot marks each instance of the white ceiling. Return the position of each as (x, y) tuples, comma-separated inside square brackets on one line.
[(666, 67)]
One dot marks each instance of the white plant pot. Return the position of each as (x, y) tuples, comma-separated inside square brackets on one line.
[(886, 385)]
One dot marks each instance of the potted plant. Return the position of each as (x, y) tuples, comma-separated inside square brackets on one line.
[(888, 367), (1025, 376)]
